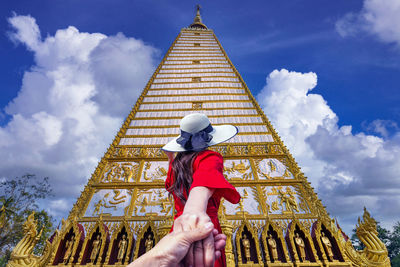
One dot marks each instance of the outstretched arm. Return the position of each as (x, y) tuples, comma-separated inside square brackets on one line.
[(194, 215)]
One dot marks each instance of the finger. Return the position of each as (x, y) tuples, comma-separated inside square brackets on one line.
[(198, 253), (215, 232), (219, 237), (208, 248), (189, 258), (198, 233), (217, 254), (220, 244)]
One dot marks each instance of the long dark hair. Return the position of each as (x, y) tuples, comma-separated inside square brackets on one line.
[(182, 167)]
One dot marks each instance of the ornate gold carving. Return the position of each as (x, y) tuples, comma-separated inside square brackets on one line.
[(120, 171), (159, 174), (241, 171), (288, 200), (111, 201), (197, 105), (245, 225), (375, 252), (152, 198), (22, 255)]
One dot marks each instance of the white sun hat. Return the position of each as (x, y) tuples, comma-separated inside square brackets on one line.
[(197, 134)]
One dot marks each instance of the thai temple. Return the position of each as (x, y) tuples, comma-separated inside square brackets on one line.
[(124, 209)]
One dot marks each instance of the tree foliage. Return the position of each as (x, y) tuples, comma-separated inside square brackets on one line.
[(390, 238), (18, 199)]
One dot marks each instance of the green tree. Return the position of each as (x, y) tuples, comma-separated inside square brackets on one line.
[(18, 198)]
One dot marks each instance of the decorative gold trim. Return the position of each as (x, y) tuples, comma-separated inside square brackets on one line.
[(177, 126), (174, 135), (113, 238), (99, 224), (190, 101), (148, 225), (199, 66), (191, 109), (206, 94), (281, 238), (254, 234), (290, 233), (196, 88), (210, 116)]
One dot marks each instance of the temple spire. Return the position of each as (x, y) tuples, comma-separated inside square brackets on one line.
[(197, 22)]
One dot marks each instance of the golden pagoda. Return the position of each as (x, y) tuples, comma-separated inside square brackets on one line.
[(124, 209)]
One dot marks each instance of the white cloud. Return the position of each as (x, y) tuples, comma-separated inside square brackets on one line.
[(71, 103), (377, 17), (349, 170)]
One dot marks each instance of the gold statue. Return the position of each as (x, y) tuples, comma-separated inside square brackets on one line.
[(122, 245), (328, 246), (246, 245), (149, 242), (375, 252), (273, 247), (289, 200), (22, 253), (69, 245), (301, 247), (95, 248)]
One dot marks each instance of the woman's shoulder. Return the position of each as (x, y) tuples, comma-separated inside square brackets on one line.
[(207, 156), (208, 153)]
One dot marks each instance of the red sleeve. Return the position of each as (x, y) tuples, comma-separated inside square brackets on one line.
[(208, 172)]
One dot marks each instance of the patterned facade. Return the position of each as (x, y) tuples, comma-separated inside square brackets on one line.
[(279, 222)]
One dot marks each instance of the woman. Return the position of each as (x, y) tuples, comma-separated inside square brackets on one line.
[(195, 180)]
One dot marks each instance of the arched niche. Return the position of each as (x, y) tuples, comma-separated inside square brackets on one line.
[(271, 230), (319, 233), (295, 229), (117, 241), (75, 231), (99, 232), (245, 231), (149, 230)]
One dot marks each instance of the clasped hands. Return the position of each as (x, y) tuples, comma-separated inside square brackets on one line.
[(194, 242)]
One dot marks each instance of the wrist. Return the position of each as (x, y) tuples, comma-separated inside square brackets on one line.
[(148, 259)]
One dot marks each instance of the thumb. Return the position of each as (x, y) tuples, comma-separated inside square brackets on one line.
[(199, 233)]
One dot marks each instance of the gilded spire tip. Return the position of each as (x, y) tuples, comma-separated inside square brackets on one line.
[(197, 22)]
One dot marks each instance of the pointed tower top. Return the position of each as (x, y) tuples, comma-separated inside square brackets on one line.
[(197, 23)]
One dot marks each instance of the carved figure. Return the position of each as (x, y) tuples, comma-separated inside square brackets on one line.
[(301, 247), (22, 252), (289, 200), (328, 246), (149, 242), (273, 247), (246, 245), (69, 245), (122, 245), (375, 252), (95, 248)]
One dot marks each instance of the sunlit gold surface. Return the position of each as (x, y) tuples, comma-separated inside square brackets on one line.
[(126, 191)]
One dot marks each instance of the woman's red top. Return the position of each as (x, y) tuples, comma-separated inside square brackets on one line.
[(207, 171)]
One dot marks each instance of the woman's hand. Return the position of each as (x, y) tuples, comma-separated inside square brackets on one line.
[(190, 220), (203, 252)]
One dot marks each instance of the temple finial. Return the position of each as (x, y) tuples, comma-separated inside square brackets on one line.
[(197, 22)]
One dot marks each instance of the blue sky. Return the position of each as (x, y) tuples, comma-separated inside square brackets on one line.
[(357, 76), (355, 60)]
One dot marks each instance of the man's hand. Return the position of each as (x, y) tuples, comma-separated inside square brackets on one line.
[(171, 249)]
